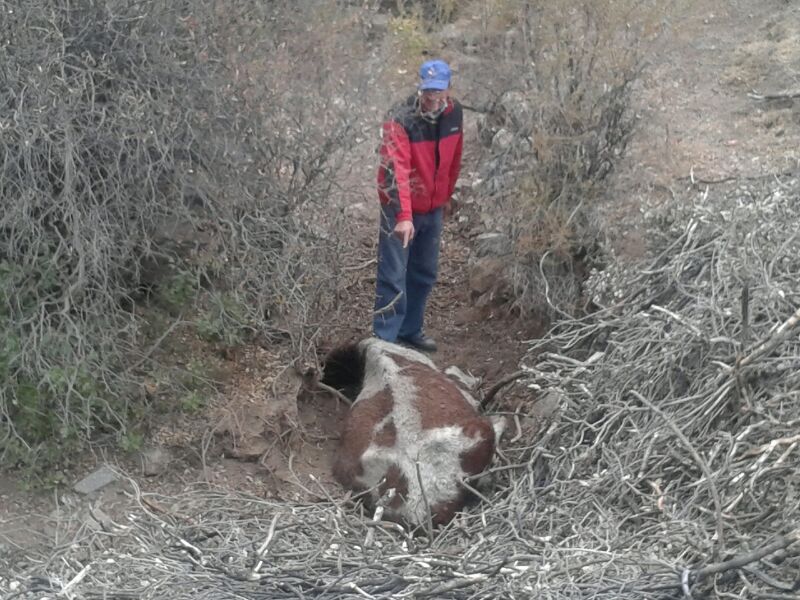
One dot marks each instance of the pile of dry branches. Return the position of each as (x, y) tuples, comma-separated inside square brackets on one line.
[(680, 403), (664, 467)]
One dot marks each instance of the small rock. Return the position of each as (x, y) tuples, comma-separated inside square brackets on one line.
[(96, 520), (547, 406), (155, 460), (493, 244), (95, 481), (484, 275), (360, 210), (380, 20), (450, 33), (502, 140), (249, 449)]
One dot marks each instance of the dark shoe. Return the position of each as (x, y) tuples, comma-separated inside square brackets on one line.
[(420, 342)]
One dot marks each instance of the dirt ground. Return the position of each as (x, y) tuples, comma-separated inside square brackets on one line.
[(698, 125)]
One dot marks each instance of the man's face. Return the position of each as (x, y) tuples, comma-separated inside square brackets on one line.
[(432, 101)]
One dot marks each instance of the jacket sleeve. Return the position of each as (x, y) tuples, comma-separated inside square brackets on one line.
[(396, 152), (455, 166)]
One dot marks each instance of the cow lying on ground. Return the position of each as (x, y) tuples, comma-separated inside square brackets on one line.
[(411, 429)]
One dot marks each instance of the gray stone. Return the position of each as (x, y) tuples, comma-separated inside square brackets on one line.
[(95, 481), (547, 406), (450, 33), (492, 244), (155, 460), (97, 520), (250, 448), (361, 210), (502, 140), (484, 276), (515, 107), (381, 20)]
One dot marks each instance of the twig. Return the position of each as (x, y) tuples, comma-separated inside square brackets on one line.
[(363, 265), (429, 515), (745, 335), (749, 557), (773, 341), (547, 288), (389, 306), (325, 387), (770, 446), (66, 590), (492, 392), (156, 344), (677, 318), (455, 584), (254, 575), (700, 462), (774, 96)]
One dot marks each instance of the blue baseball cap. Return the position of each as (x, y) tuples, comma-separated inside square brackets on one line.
[(434, 75)]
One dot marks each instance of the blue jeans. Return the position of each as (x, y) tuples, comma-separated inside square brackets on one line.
[(405, 275)]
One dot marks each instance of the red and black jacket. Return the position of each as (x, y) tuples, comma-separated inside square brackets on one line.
[(420, 159)]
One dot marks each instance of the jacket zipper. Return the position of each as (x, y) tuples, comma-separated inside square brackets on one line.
[(436, 162)]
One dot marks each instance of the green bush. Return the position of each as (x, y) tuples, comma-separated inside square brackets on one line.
[(225, 320), (410, 37), (192, 402), (177, 291)]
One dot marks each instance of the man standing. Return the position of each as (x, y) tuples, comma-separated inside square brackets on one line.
[(420, 163)]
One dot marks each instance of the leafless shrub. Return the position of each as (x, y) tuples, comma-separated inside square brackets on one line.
[(138, 137), (557, 125)]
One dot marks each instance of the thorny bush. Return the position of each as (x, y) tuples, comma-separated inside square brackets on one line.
[(139, 140)]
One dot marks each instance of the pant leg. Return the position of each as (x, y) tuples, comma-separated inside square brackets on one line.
[(391, 294), (422, 270)]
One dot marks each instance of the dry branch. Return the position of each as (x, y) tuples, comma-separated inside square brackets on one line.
[(745, 559), (334, 392), (499, 385), (787, 95)]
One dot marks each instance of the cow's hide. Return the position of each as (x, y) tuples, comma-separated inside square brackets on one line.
[(411, 429)]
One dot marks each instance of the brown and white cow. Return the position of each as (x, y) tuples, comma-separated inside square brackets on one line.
[(411, 428)]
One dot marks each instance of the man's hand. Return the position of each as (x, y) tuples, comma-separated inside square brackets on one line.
[(450, 207), (405, 231)]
